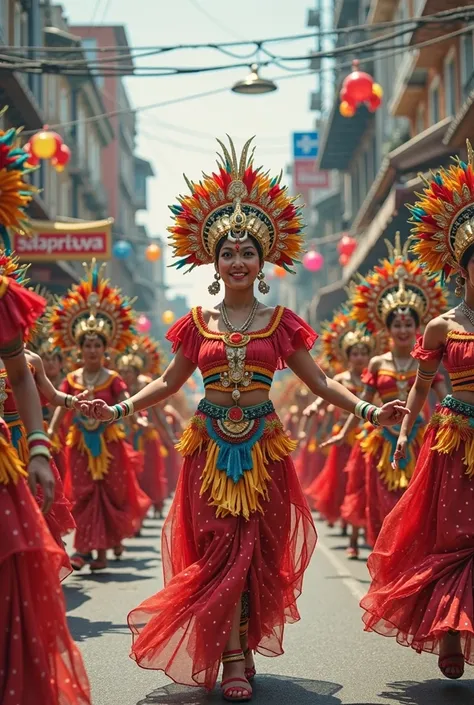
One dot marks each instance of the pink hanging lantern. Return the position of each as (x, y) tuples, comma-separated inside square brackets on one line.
[(313, 261), (143, 324)]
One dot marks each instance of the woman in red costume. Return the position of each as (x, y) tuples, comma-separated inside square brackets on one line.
[(422, 566), (345, 344), (138, 366), (108, 505), (39, 662), (239, 534), (396, 297)]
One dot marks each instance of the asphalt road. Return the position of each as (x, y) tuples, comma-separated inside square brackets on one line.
[(329, 660)]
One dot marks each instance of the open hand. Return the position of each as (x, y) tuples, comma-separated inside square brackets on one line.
[(40, 473), (393, 413), (335, 440), (401, 451)]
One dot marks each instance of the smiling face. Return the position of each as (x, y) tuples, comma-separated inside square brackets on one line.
[(129, 375), (359, 357), (238, 264), (403, 329)]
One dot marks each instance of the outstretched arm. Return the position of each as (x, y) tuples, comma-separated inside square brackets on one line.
[(334, 392)]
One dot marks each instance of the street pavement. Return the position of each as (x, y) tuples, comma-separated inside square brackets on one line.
[(329, 660)]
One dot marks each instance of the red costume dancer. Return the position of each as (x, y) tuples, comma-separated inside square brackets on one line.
[(107, 502), (346, 344), (138, 366), (353, 508), (422, 566), (239, 535), (39, 662), (170, 454)]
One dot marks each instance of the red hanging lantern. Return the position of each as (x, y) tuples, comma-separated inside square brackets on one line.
[(346, 109), (344, 260), (45, 144), (61, 158), (357, 86), (347, 245), (32, 160)]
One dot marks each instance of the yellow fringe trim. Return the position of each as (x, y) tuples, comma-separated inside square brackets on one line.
[(394, 479), (243, 497), (98, 467), (11, 467), (454, 429)]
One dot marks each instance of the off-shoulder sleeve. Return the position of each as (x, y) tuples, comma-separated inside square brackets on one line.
[(118, 386), (421, 353), (184, 334), (19, 309), (293, 333), (369, 379)]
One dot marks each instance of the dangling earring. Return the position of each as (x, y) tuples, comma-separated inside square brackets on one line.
[(215, 287), (459, 290), (262, 284)]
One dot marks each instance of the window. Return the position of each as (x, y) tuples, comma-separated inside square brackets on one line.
[(449, 85), (63, 105), (467, 63), (420, 118), (434, 101), (90, 50)]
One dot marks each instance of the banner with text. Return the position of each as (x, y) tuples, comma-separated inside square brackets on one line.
[(50, 241)]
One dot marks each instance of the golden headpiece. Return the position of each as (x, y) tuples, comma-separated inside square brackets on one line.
[(92, 308), (39, 339), (236, 202), (397, 284), (341, 334), (443, 218), (144, 355)]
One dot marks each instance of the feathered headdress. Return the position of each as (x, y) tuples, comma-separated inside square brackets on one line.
[(39, 339), (91, 308), (144, 355), (237, 201), (443, 218), (339, 335), (396, 284)]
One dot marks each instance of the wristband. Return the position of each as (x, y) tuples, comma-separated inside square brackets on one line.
[(40, 451), (70, 401), (120, 411), (37, 436), (375, 418), (361, 408)]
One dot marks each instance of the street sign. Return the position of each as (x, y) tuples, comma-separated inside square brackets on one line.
[(305, 145), (306, 175), (67, 241)]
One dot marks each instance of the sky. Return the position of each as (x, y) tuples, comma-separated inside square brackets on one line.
[(181, 138)]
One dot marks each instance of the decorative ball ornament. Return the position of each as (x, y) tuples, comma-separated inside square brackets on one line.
[(347, 245), (344, 260), (279, 272), (143, 324), (346, 109), (168, 317), (377, 90), (374, 103), (357, 85), (61, 158), (122, 250), (313, 261), (32, 160), (153, 252), (45, 144)]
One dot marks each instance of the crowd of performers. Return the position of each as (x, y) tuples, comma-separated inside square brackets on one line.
[(92, 439)]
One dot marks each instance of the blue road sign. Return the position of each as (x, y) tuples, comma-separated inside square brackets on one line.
[(305, 145)]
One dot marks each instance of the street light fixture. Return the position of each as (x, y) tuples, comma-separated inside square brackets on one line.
[(253, 84)]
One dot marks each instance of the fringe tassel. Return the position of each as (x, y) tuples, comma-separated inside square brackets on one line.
[(454, 429), (394, 479), (98, 464), (11, 467)]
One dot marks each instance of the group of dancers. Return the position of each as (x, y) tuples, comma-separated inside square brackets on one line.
[(240, 533)]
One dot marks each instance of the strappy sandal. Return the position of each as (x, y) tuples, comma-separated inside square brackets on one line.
[(250, 671), (79, 560), (352, 553), (230, 685), (97, 564), (452, 661)]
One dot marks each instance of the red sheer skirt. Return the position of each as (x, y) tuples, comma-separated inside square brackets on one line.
[(355, 500), (39, 662), (422, 567), (153, 480), (309, 464), (326, 494), (208, 562), (106, 511), (379, 499)]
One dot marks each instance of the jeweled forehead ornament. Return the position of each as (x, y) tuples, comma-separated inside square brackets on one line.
[(236, 202)]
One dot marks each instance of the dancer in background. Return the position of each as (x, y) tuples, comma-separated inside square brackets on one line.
[(422, 566), (239, 534), (108, 505), (399, 297), (348, 345), (39, 661)]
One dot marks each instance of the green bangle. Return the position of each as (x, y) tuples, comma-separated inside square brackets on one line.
[(40, 450)]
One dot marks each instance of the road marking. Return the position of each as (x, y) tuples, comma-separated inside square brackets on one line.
[(350, 582)]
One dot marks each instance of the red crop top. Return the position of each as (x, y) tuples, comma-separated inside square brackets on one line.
[(458, 358)]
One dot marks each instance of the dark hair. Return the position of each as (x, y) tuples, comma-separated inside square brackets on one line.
[(254, 242), (409, 311), (357, 345), (467, 256), (82, 339)]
